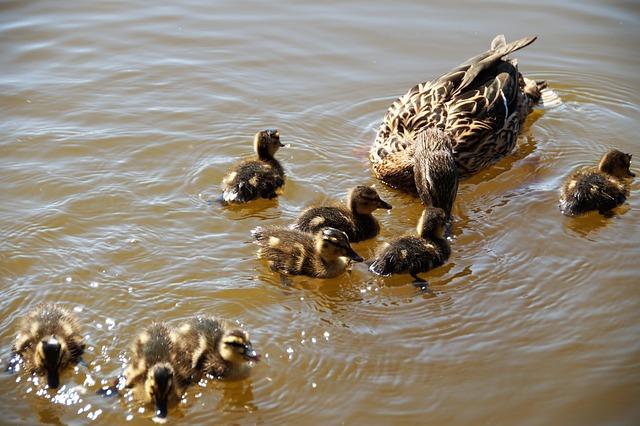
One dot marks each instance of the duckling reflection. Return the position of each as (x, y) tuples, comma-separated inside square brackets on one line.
[(326, 254), (598, 188), (357, 221), (49, 341), (260, 178)]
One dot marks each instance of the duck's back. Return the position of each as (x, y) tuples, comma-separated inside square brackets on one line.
[(357, 227), (409, 254), (251, 180), (589, 189), (288, 251)]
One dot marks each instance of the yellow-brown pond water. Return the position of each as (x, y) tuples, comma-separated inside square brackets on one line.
[(119, 120)]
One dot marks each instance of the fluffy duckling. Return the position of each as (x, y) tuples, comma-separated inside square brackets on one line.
[(356, 221), (157, 372), (216, 347), (414, 254), (260, 178), (435, 170), (48, 342), (326, 254), (597, 188)]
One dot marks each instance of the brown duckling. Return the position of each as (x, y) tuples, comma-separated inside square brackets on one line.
[(356, 221), (435, 170), (597, 188), (414, 254), (216, 347), (260, 178), (157, 372), (326, 254), (49, 341)]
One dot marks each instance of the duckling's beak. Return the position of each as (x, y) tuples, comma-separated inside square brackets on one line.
[(351, 254), (161, 406), (51, 350), (384, 205), (250, 354), (632, 174), (282, 145)]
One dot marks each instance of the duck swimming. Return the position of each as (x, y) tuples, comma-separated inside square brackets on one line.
[(216, 347), (49, 341), (598, 188), (260, 178), (477, 111), (157, 372), (325, 254), (356, 220), (412, 254)]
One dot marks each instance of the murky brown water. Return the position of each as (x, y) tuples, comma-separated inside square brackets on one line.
[(119, 122)]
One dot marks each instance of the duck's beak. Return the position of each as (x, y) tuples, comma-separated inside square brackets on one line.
[(51, 350), (632, 174), (250, 354), (351, 254), (384, 205), (161, 406)]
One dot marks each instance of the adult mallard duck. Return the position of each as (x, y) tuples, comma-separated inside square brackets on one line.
[(479, 107), (597, 188)]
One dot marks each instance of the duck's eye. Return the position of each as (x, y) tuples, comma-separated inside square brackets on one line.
[(235, 344)]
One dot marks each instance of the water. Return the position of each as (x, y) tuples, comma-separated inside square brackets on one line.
[(120, 120)]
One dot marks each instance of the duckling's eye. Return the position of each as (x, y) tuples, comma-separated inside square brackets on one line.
[(235, 344)]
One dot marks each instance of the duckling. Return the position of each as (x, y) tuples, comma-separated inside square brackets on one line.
[(414, 254), (597, 188), (435, 171), (216, 347), (291, 252), (49, 341), (356, 221), (157, 372), (260, 178)]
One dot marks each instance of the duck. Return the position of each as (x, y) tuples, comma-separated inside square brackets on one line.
[(478, 108), (157, 372), (356, 220), (259, 178), (325, 254), (49, 341), (415, 254), (598, 188), (216, 347)]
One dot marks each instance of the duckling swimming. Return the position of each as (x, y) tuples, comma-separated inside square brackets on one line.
[(414, 254), (49, 341), (597, 188), (260, 178), (356, 221), (326, 254), (216, 347), (157, 372)]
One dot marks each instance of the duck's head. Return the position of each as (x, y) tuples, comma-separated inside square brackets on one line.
[(159, 385), (235, 347), (432, 223), (616, 163), (50, 356), (365, 199), (332, 243), (266, 143)]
